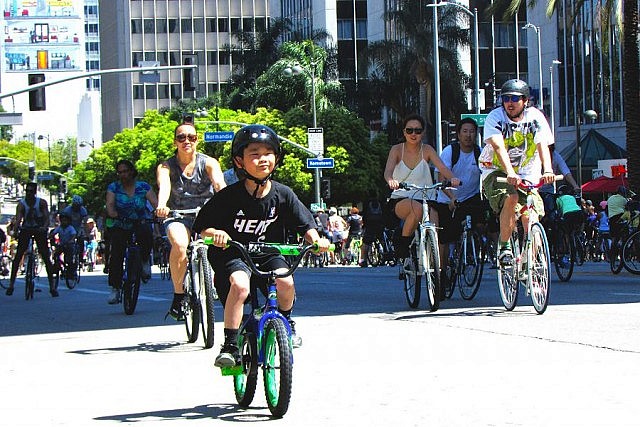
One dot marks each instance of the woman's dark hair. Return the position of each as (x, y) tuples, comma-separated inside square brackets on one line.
[(175, 131), (414, 116), (465, 121), (129, 165)]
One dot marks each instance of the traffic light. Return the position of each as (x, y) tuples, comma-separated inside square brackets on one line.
[(37, 99), (449, 132), (325, 188), (32, 172), (63, 185), (190, 75)]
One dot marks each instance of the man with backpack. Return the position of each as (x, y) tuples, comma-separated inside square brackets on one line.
[(454, 205)]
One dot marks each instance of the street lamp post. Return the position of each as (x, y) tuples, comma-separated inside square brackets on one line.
[(537, 30), (40, 138), (476, 81), (294, 71), (591, 115), (91, 144), (551, 95)]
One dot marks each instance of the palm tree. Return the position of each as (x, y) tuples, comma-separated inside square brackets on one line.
[(626, 18), (400, 66)]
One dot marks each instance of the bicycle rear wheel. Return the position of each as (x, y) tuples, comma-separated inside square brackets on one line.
[(411, 277), (615, 256), (5, 271), (29, 276), (374, 255), (538, 279), (431, 264), (278, 367), (579, 243), (564, 255), (207, 297), (244, 384), (71, 282), (508, 280), (450, 273), (471, 266), (631, 253), (131, 285), (191, 306)]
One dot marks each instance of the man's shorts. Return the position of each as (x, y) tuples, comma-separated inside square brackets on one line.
[(187, 221), (222, 271), (497, 192)]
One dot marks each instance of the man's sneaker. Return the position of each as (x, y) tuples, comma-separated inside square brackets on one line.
[(296, 340), (176, 312), (54, 292), (146, 271), (229, 356), (505, 258), (9, 291), (114, 296)]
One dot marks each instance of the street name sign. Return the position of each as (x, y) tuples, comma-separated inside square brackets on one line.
[(479, 118), (315, 137), (326, 163), (218, 136)]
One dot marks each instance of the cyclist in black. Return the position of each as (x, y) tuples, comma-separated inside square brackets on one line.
[(254, 209), (373, 224), (32, 220), (354, 222)]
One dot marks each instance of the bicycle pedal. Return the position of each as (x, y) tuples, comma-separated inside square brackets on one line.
[(232, 370)]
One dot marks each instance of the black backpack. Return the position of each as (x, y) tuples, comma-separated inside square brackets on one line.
[(455, 153)]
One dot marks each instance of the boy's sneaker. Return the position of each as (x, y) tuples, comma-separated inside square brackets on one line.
[(229, 356), (505, 258), (296, 340), (114, 296)]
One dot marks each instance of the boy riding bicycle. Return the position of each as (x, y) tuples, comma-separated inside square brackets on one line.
[(251, 210), (66, 244), (517, 146)]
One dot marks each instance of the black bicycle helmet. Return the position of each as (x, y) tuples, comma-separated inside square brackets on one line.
[(565, 190), (250, 134), (515, 87), (254, 133)]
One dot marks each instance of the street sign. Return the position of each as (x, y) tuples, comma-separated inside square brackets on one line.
[(315, 206), (149, 76), (326, 163), (315, 137), (479, 118), (45, 177), (218, 136)]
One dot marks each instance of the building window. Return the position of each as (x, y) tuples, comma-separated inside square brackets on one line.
[(185, 26), (173, 26), (163, 91), (150, 56), (150, 91), (176, 93), (136, 26), (161, 26), (136, 57), (138, 92), (212, 57), (260, 25), (223, 25), (235, 24), (211, 25), (198, 25), (163, 58), (224, 57), (149, 26), (247, 25), (174, 58), (345, 29)]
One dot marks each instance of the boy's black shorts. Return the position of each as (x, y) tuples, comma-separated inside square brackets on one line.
[(223, 268)]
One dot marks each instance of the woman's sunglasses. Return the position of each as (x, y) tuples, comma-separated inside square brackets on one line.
[(410, 131), (511, 98), (181, 137)]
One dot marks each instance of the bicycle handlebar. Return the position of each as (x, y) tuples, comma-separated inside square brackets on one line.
[(528, 185), (261, 248), (181, 213), (444, 184)]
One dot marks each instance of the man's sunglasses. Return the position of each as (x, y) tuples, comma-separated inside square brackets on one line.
[(181, 137), (410, 131), (511, 98)]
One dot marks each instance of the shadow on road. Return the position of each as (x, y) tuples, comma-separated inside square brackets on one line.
[(154, 347), (222, 412)]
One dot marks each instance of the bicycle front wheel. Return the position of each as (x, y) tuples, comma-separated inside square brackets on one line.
[(538, 278), (615, 256), (29, 277), (131, 285), (191, 307), (278, 367), (207, 297), (244, 384), (411, 277), (631, 253), (470, 265), (374, 255), (564, 256), (431, 264), (508, 280)]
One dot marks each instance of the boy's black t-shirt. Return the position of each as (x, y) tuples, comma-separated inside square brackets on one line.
[(247, 220)]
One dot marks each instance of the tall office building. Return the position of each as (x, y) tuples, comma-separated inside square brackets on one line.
[(167, 32)]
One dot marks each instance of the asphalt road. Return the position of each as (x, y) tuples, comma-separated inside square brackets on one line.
[(367, 359)]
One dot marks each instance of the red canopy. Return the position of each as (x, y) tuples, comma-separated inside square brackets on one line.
[(604, 184)]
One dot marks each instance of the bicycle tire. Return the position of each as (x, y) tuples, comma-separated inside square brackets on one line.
[(451, 274), (277, 367), (207, 297), (431, 264), (579, 244), (564, 256), (472, 266), (5, 267), (631, 253), (615, 257), (131, 286), (71, 282), (412, 280), (29, 277), (538, 278), (191, 306), (508, 280), (244, 384), (374, 256)]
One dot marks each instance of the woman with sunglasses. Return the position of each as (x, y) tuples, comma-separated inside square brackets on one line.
[(185, 181), (408, 162), (127, 204)]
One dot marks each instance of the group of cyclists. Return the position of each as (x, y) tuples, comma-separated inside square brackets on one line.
[(252, 207)]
